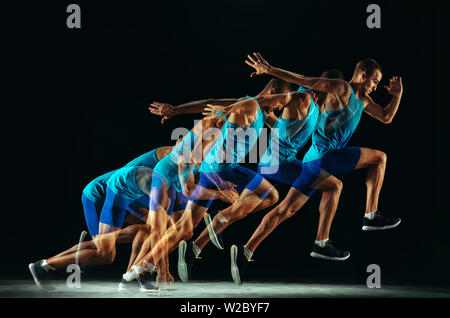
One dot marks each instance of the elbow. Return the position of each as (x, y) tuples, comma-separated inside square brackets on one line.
[(387, 120)]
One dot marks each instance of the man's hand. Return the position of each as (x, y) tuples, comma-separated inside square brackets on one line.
[(395, 87), (162, 109), (229, 196), (212, 109), (258, 63)]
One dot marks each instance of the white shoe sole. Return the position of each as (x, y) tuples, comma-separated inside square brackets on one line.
[(36, 280), (33, 273), (234, 268), (182, 267), (330, 258), (211, 233), (378, 228)]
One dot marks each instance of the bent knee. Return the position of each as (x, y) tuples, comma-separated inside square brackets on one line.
[(107, 256), (382, 158), (337, 186), (272, 197)]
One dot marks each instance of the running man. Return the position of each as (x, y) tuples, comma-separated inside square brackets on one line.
[(329, 154)]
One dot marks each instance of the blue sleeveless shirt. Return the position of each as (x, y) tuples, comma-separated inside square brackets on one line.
[(334, 129)]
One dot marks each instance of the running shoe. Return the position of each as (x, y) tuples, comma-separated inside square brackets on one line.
[(380, 222), (186, 260), (41, 276), (329, 252)]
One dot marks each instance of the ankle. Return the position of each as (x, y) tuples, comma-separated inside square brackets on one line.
[(370, 215), (321, 243)]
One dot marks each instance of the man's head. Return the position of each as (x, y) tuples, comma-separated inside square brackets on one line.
[(368, 74), (330, 74), (276, 86)]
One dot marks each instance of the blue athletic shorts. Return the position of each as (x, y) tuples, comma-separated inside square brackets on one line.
[(242, 177), (91, 212), (158, 197), (180, 202), (142, 202), (286, 172), (114, 209), (333, 163), (93, 209)]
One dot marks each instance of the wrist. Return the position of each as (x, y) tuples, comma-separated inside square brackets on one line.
[(270, 70)]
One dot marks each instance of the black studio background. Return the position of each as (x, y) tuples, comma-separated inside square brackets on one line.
[(75, 106)]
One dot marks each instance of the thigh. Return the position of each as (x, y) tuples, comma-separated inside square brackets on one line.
[(329, 183), (159, 199), (286, 172), (114, 210), (311, 176), (201, 197), (369, 157), (92, 211), (343, 161)]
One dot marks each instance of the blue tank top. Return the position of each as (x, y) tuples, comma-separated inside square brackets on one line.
[(168, 166), (148, 159), (289, 136), (96, 189), (334, 129), (233, 145), (123, 183)]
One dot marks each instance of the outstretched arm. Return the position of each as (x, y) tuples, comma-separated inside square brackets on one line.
[(337, 87), (167, 111), (386, 114), (250, 105)]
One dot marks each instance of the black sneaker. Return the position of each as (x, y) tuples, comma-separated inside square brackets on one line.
[(145, 281), (216, 239), (127, 285), (380, 222), (41, 276), (238, 264), (186, 260), (329, 252)]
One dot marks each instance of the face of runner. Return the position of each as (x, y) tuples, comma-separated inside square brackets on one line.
[(370, 83)]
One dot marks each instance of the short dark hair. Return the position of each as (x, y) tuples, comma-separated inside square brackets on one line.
[(333, 74), (281, 86), (368, 65)]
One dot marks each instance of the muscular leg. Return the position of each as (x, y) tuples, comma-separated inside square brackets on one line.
[(103, 251), (144, 232), (331, 188), (375, 162), (249, 201), (293, 201)]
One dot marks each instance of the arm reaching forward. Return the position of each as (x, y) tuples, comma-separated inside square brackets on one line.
[(167, 111), (337, 87)]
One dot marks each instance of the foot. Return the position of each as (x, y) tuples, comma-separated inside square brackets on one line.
[(186, 260), (146, 282), (329, 252), (380, 222), (238, 264), (41, 276), (127, 284), (216, 239)]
